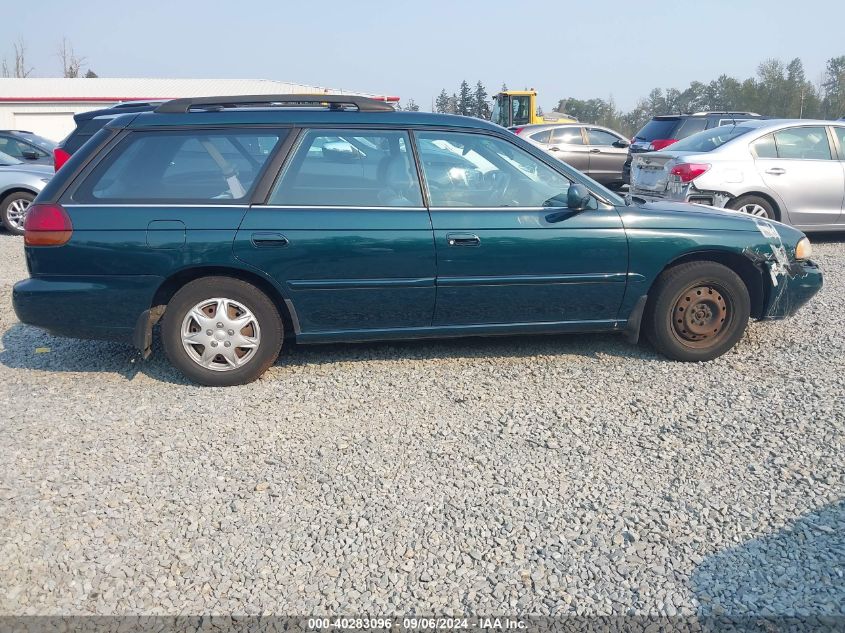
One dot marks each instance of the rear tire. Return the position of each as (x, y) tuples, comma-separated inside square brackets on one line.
[(221, 331), (754, 205), (697, 311), (13, 211)]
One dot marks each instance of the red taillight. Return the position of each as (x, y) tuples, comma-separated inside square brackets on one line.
[(659, 143), (60, 157), (517, 130), (47, 225), (688, 172)]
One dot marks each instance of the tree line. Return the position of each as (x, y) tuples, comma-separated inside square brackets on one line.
[(778, 90), (71, 63)]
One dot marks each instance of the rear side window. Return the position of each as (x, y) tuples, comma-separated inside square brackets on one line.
[(658, 129), (567, 136), (189, 166), (542, 137), (350, 168), (808, 143), (689, 127)]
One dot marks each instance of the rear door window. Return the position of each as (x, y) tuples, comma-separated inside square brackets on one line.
[(183, 166), (350, 168), (764, 147), (807, 143), (840, 135), (568, 136)]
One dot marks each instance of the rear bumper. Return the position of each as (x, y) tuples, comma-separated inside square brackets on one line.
[(795, 288), (105, 308)]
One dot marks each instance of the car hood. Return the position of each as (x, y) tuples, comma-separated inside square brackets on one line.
[(685, 216), (38, 170)]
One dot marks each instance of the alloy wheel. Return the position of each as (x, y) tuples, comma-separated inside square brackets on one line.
[(16, 212), (754, 209), (220, 334)]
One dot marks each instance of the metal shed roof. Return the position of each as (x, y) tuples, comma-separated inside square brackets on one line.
[(128, 89)]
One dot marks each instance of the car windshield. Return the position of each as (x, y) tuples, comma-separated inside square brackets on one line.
[(709, 139), (6, 160)]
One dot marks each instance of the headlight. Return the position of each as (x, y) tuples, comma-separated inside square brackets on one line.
[(804, 250)]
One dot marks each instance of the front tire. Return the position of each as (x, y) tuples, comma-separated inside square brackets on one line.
[(221, 331), (697, 311), (13, 211)]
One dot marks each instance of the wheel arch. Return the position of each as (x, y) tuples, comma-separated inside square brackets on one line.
[(776, 205), (750, 274), (16, 189), (169, 287)]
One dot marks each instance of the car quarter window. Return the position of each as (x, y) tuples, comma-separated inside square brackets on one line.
[(480, 170), (350, 168), (183, 166), (807, 143), (567, 136), (600, 137)]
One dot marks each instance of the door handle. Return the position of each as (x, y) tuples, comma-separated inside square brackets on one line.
[(463, 239), (269, 240), (595, 150), (554, 149), (776, 171)]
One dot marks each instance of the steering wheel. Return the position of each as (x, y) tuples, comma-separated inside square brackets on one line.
[(501, 183)]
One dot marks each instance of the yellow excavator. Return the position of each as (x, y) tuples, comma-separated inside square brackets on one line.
[(515, 108)]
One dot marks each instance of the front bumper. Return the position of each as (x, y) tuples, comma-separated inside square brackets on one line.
[(102, 307), (796, 286)]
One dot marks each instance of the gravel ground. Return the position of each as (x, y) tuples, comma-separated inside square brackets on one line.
[(508, 476)]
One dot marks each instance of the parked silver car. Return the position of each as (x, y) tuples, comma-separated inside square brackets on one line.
[(788, 170), (594, 150), (19, 184)]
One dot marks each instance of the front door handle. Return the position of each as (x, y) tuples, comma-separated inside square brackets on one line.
[(554, 149), (463, 239), (595, 150), (269, 240), (776, 171)]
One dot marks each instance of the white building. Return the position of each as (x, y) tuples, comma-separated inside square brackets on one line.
[(46, 106)]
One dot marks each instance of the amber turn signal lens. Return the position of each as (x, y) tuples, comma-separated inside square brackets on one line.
[(804, 250), (47, 225)]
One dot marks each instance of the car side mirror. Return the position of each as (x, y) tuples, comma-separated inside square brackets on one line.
[(621, 144), (28, 154), (578, 197)]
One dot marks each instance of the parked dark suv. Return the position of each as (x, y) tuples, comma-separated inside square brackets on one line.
[(237, 223), (90, 122), (664, 130)]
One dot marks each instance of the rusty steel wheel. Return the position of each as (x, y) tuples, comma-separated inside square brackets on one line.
[(700, 315), (696, 311)]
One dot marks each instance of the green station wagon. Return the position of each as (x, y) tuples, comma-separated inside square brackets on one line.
[(236, 223)]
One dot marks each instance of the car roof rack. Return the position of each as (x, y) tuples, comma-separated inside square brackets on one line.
[(706, 112), (335, 102)]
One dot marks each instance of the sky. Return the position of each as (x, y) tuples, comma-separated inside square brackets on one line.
[(413, 50)]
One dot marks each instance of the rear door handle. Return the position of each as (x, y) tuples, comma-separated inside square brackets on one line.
[(463, 239), (269, 240), (776, 171), (595, 150)]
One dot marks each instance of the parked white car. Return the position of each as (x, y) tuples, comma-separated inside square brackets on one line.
[(787, 170)]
